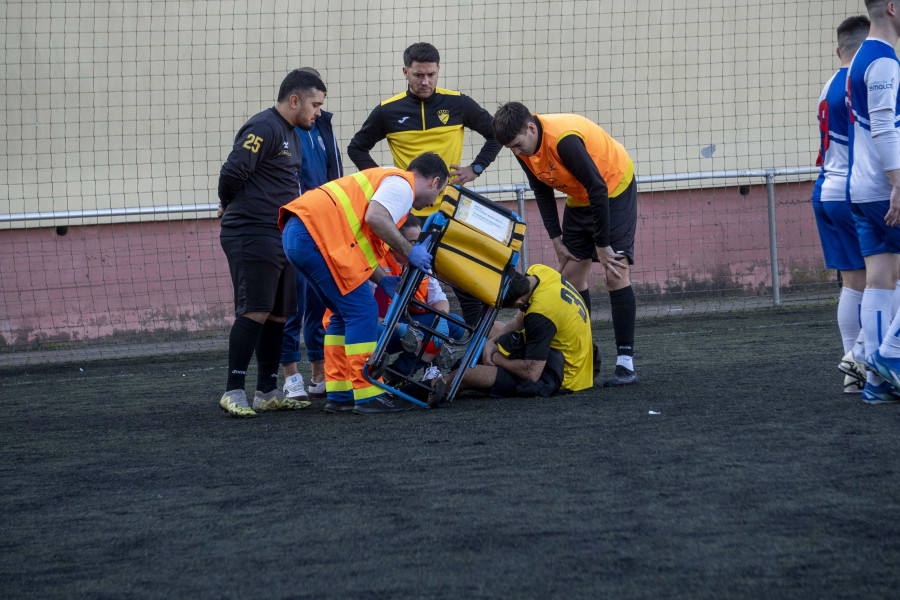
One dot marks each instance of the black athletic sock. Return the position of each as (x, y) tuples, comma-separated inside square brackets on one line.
[(586, 296), (268, 356), (241, 343), (623, 310)]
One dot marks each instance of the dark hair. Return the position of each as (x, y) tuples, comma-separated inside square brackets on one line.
[(876, 7), (510, 120), (518, 287), (410, 222), (422, 52), (851, 34), (429, 165), (301, 83), (311, 70)]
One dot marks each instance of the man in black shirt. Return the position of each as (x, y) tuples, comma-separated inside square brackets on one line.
[(258, 178)]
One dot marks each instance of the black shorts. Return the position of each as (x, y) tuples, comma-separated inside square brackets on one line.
[(508, 385), (578, 226), (263, 279)]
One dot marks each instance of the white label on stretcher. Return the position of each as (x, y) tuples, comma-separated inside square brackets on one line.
[(485, 220)]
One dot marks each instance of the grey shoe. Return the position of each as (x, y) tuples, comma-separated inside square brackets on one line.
[(276, 400), (448, 356), (234, 402), (411, 339)]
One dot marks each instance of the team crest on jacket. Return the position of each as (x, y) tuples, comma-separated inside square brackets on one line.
[(443, 115)]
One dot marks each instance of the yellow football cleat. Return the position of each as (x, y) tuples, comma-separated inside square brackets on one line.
[(276, 400), (234, 402)]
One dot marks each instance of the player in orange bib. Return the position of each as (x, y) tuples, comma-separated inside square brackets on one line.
[(576, 156)]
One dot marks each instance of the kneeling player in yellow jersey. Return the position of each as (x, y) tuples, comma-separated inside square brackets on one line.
[(546, 349)]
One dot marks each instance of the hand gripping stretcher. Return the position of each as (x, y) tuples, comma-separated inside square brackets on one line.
[(475, 243)]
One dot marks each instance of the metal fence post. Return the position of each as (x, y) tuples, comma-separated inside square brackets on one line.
[(773, 240), (520, 203)]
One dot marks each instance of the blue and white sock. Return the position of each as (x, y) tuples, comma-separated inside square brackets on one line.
[(895, 301), (876, 306), (890, 346), (848, 316)]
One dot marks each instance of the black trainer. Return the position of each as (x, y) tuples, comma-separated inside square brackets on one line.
[(335, 407), (437, 393), (621, 376), (386, 403)]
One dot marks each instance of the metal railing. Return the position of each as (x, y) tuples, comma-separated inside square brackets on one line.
[(519, 190)]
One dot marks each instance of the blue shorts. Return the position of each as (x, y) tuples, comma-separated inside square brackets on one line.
[(837, 231), (875, 237)]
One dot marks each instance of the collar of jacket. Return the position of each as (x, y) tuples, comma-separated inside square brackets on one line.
[(415, 98)]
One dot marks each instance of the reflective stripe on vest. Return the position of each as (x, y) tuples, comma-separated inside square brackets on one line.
[(352, 219)]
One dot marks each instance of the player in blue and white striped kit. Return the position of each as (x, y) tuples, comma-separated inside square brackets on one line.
[(837, 231), (874, 189)]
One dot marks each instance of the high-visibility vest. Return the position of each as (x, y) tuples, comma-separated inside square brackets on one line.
[(609, 155), (335, 215), (392, 267)]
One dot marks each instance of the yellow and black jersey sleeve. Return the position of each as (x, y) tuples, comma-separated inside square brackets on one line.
[(556, 300)]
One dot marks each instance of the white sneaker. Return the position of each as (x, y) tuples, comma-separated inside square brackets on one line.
[(431, 372), (294, 386), (852, 385), (854, 368), (317, 389)]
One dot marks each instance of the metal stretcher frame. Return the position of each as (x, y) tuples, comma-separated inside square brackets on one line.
[(487, 224)]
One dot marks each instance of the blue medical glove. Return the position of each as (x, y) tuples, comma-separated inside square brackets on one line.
[(389, 284), (419, 257)]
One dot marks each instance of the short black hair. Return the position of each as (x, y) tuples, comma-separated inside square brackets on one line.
[(300, 82), (429, 165), (876, 7), (410, 222), (312, 70), (510, 120), (851, 33), (518, 287), (421, 52)]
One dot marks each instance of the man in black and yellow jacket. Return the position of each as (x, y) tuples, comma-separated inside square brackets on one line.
[(426, 118)]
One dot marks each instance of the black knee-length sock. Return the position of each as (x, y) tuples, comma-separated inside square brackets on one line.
[(241, 344), (624, 310), (268, 356), (586, 296)]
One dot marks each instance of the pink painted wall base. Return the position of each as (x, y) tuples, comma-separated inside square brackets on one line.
[(170, 278)]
